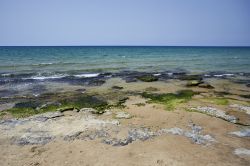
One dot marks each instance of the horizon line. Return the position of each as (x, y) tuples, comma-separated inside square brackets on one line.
[(124, 45)]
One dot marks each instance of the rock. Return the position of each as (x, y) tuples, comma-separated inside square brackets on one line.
[(248, 85), (174, 131), (190, 77), (195, 134), (147, 78), (63, 109), (241, 108), (194, 82), (216, 113), (144, 134), (130, 79), (28, 104), (196, 137), (205, 85), (242, 133), (46, 116), (122, 115), (122, 100), (242, 151), (92, 110), (151, 89), (48, 104), (33, 139), (107, 112), (81, 90), (96, 82), (11, 123), (72, 136), (117, 87)]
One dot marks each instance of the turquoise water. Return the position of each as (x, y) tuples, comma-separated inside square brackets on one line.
[(111, 59)]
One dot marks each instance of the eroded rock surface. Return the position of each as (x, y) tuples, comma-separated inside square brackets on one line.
[(83, 125), (242, 133), (216, 113)]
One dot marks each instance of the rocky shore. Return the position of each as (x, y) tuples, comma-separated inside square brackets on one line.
[(175, 117)]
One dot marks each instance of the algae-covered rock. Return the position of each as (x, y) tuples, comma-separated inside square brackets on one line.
[(170, 100), (117, 87), (194, 82), (63, 109), (147, 78), (151, 89), (205, 85)]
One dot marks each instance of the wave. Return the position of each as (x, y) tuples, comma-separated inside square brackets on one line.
[(6, 74), (40, 77), (88, 75)]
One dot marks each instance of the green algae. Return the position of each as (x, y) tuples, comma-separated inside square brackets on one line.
[(170, 100), (147, 78), (220, 101), (38, 106)]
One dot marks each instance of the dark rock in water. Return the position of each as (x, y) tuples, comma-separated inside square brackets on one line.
[(38, 89), (190, 77), (206, 85), (7, 93), (28, 104), (194, 82), (130, 79), (96, 82), (248, 85), (117, 87), (148, 78)]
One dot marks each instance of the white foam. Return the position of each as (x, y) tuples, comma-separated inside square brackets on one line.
[(5, 74), (221, 75), (157, 74), (46, 77), (87, 75)]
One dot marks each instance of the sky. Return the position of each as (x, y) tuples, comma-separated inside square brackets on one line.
[(125, 22)]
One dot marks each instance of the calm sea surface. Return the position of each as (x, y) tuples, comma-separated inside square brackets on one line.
[(112, 59)]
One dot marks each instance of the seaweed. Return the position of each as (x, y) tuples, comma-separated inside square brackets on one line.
[(147, 78), (170, 100)]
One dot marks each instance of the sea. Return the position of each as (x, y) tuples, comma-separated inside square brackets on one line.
[(41, 62)]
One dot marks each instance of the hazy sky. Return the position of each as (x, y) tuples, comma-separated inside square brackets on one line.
[(125, 22)]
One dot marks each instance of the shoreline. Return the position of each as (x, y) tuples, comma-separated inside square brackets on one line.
[(123, 112)]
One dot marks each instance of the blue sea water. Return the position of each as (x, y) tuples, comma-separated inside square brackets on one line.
[(92, 59)]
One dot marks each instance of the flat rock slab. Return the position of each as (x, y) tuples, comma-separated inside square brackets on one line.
[(245, 109), (122, 115), (242, 151)]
